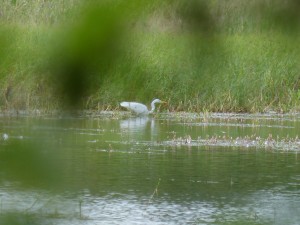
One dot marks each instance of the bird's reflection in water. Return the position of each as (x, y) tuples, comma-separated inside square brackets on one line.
[(139, 128)]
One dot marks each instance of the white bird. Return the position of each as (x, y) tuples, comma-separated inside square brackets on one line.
[(5, 137), (139, 108)]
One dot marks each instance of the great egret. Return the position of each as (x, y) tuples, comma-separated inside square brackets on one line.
[(139, 108)]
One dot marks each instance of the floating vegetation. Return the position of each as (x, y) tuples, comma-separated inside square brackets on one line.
[(253, 141), (247, 142), (261, 131)]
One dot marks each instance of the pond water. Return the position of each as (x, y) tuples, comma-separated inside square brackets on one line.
[(112, 168)]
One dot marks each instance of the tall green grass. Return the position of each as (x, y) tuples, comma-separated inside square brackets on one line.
[(198, 55), (242, 73)]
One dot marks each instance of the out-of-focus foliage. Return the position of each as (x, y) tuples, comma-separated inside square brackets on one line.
[(285, 15), (19, 219), (87, 51), (91, 47), (31, 164)]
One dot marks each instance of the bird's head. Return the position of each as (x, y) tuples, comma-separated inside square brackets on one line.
[(158, 101)]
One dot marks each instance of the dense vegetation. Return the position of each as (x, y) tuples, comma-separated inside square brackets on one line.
[(198, 55)]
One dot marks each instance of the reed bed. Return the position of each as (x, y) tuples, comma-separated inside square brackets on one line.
[(199, 56)]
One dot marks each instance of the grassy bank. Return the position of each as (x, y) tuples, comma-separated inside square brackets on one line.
[(242, 73), (200, 56)]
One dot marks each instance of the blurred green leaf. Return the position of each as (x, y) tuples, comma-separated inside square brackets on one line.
[(15, 218), (88, 50), (32, 165)]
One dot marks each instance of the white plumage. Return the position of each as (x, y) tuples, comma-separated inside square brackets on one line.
[(139, 108)]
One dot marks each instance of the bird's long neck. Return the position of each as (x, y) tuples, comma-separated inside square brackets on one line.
[(152, 107)]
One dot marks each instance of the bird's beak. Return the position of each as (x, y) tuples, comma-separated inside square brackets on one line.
[(163, 102)]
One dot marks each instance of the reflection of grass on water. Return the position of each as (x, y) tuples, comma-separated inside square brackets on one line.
[(19, 219), (38, 216), (252, 218), (245, 221), (155, 192)]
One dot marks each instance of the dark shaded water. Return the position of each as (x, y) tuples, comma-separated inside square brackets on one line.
[(174, 169)]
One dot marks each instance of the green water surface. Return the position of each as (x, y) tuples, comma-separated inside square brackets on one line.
[(168, 169)]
